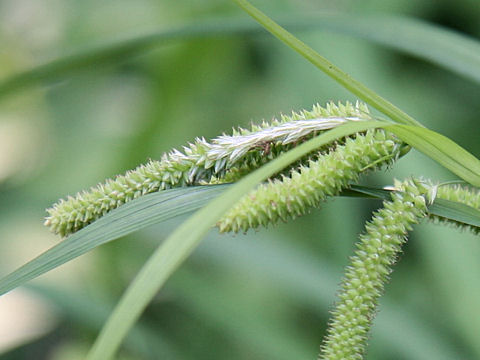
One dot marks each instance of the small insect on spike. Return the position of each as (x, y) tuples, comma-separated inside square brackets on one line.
[(365, 277), (224, 157)]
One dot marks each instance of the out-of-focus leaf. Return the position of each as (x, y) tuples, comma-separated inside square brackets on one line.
[(449, 49), (91, 313)]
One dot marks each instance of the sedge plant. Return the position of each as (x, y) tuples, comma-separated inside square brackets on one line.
[(293, 191), (277, 170)]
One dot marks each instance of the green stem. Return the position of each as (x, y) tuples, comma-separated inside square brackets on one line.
[(354, 86)]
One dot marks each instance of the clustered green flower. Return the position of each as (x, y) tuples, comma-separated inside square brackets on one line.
[(294, 194), (369, 269), (224, 159)]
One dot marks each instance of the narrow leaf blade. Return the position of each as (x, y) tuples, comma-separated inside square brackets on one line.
[(458, 212), (130, 217), (368, 192)]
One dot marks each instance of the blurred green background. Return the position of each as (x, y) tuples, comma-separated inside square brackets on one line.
[(263, 295)]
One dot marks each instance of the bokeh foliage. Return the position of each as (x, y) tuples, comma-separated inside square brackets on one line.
[(262, 295)]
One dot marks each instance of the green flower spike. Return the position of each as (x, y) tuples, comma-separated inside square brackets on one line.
[(306, 187), (369, 269), (201, 163)]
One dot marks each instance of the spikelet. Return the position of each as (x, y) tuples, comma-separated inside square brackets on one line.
[(369, 270), (226, 158), (307, 186)]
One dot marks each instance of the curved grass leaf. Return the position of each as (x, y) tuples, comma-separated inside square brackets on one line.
[(130, 217), (451, 50), (171, 253)]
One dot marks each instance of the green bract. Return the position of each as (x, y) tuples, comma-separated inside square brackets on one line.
[(224, 159)]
